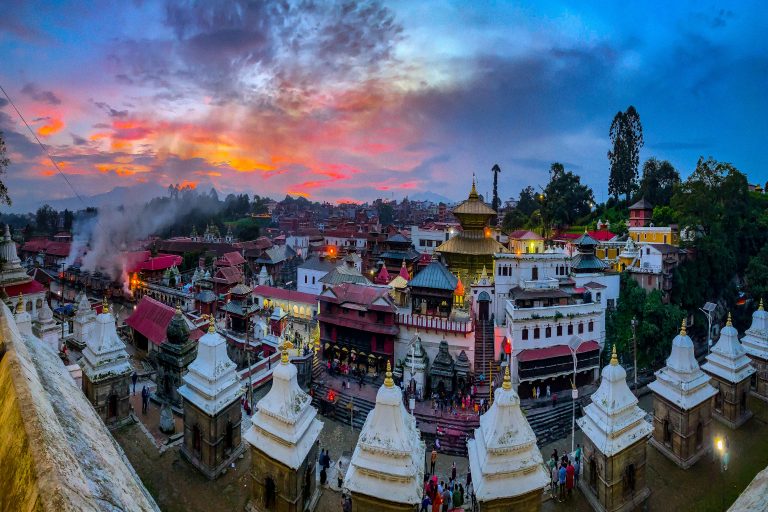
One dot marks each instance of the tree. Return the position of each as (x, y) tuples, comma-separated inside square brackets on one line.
[(69, 218), (496, 203), (514, 219), (565, 198), (659, 180), (46, 220), (626, 135), (757, 274), (386, 213), (527, 204), (4, 163)]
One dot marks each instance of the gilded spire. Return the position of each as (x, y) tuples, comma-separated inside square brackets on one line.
[(760, 307), (729, 323), (284, 347), (682, 329), (614, 359), (178, 308), (20, 304), (104, 306), (473, 192), (507, 383), (388, 382), (212, 325)]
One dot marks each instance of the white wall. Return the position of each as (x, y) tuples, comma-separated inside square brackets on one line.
[(308, 280)]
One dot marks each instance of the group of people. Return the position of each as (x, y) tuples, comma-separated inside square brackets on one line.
[(564, 474), (442, 497), (324, 460)]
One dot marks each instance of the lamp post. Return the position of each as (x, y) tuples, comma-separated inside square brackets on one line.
[(248, 357), (708, 309), (574, 345), (634, 350)]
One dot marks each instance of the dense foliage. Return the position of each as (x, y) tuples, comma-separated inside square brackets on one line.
[(626, 135)]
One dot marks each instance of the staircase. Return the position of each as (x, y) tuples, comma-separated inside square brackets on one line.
[(551, 424), (484, 344), (340, 412)]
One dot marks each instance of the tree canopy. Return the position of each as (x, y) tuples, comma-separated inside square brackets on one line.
[(4, 163), (659, 180), (626, 135), (566, 199)]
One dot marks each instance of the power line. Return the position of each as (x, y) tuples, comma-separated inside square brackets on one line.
[(45, 150)]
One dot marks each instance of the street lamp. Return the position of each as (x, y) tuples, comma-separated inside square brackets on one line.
[(574, 345), (708, 309), (634, 348), (248, 356)]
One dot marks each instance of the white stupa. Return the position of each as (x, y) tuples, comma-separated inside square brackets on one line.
[(23, 319), (10, 264), (388, 461), (755, 340), (681, 381), (503, 457), (728, 360), (46, 327), (211, 382), (285, 425), (612, 420), (104, 355), (85, 318)]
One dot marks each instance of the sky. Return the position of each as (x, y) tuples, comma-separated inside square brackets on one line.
[(353, 101)]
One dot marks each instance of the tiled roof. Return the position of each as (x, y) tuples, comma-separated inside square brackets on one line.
[(467, 243), (27, 288), (435, 276), (362, 295), (270, 292), (344, 274), (232, 259), (315, 263), (229, 275), (398, 238), (524, 234), (151, 318), (47, 246), (642, 205)]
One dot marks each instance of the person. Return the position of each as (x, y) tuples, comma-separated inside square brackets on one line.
[(538, 391), (433, 460), (453, 471), (144, 399), (441, 486), (561, 474), (437, 502), (569, 474), (340, 474), (553, 480), (576, 471), (437, 443), (323, 476), (548, 391), (554, 399), (425, 503), (346, 505), (447, 500), (458, 497), (577, 454), (134, 378)]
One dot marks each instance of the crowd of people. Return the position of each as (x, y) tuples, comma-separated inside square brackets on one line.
[(444, 496), (564, 474)]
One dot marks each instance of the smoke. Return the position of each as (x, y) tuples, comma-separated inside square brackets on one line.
[(102, 240)]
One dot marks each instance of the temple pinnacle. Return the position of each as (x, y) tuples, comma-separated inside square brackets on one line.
[(104, 306), (388, 382), (682, 329), (614, 359), (729, 323), (20, 304), (212, 325), (507, 384), (760, 307)]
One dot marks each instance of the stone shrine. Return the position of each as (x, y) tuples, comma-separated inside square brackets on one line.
[(283, 440), (731, 372), (506, 465), (415, 367), (386, 473), (615, 438), (173, 359), (682, 405), (755, 344), (85, 318), (46, 327), (107, 371), (211, 399), (442, 372)]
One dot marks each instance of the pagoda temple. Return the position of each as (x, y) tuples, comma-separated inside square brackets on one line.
[(283, 441), (755, 343), (731, 372), (386, 472), (107, 371), (173, 358), (212, 416), (506, 465), (615, 438), (682, 405), (473, 247)]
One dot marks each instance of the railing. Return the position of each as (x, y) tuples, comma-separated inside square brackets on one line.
[(543, 368), (434, 322), (256, 368), (517, 314), (540, 284), (646, 269)]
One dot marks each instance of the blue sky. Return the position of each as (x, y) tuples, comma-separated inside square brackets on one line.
[(381, 99)]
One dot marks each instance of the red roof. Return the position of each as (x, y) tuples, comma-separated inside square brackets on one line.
[(232, 259), (600, 236), (383, 277), (271, 292), (143, 260), (360, 294), (537, 354), (228, 275), (27, 288), (151, 318), (47, 246)]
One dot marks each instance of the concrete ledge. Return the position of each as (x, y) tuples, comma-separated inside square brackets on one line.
[(684, 464), (732, 424)]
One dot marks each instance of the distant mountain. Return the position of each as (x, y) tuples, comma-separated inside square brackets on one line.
[(430, 196), (139, 193)]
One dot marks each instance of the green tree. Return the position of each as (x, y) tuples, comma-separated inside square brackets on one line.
[(659, 180), (69, 218), (757, 274), (46, 220), (663, 216), (514, 219), (565, 198), (4, 163), (528, 202), (496, 203), (386, 213), (626, 135)]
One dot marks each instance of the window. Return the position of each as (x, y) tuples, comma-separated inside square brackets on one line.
[(570, 329), (591, 326), (630, 478), (525, 334), (500, 271), (536, 333), (559, 330), (306, 278), (380, 317), (581, 328), (699, 435), (667, 432), (422, 243), (548, 332), (535, 273), (313, 279), (719, 401)]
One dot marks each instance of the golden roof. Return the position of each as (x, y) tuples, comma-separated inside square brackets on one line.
[(473, 205), (470, 243)]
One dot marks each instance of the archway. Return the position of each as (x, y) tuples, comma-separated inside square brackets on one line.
[(483, 305), (270, 493), (111, 406)]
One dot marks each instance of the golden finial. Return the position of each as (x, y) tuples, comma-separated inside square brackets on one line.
[(728, 323), (760, 307), (20, 304), (388, 376), (178, 308), (104, 306), (682, 329), (211, 325), (614, 359), (507, 383), (473, 192), (284, 347)]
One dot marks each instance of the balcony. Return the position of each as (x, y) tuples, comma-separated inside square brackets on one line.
[(549, 283), (433, 322), (571, 310)]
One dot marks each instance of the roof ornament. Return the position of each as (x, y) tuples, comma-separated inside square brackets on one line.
[(284, 347), (614, 359), (682, 329), (20, 304), (729, 323), (211, 325), (760, 307), (507, 384), (473, 192), (388, 382), (105, 306)]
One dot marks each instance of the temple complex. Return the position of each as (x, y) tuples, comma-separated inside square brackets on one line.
[(283, 442), (212, 416), (173, 359), (731, 372), (755, 344), (506, 464), (107, 371), (615, 439), (386, 472), (473, 247), (682, 405)]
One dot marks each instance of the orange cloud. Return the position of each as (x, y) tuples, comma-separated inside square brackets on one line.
[(51, 127), (188, 184)]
